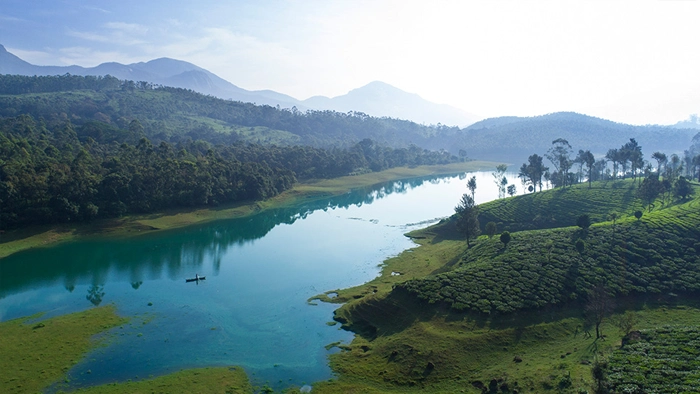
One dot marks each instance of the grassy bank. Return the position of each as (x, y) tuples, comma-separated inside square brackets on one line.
[(18, 240), (512, 319), (442, 351), (36, 353), (201, 380)]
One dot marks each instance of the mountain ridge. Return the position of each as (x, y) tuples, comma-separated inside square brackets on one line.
[(376, 98)]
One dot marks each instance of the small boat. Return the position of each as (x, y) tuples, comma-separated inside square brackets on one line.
[(196, 278)]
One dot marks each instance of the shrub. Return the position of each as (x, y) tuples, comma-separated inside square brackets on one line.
[(490, 229), (583, 221), (505, 238)]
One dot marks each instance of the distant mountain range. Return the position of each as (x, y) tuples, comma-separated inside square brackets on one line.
[(173, 114), (508, 138), (376, 99), (693, 122)]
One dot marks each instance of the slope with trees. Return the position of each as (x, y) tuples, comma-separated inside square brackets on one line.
[(55, 172), (533, 310)]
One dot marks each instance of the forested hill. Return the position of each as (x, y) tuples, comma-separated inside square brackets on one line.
[(172, 114), (81, 148), (506, 138)]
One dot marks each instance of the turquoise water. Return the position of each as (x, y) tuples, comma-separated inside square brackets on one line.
[(251, 310)]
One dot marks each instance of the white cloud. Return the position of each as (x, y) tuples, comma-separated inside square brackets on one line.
[(89, 57), (88, 36), (127, 28), (117, 33), (7, 18), (626, 61)]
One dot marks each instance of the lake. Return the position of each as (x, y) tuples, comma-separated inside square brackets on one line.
[(260, 270)]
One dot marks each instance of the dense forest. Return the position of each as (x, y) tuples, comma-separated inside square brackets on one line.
[(55, 171), (172, 114)]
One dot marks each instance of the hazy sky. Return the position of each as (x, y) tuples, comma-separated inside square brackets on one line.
[(629, 61)]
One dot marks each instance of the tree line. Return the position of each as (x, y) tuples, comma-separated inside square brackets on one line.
[(56, 172), (671, 177), (171, 114)]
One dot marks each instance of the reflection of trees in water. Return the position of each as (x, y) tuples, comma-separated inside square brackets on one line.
[(95, 294), (173, 253)]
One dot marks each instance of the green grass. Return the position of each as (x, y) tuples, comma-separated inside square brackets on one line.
[(456, 319), (561, 207), (36, 353), (467, 348), (231, 380)]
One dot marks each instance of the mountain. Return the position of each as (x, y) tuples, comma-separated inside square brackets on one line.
[(170, 114), (381, 99), (163, 71), (377, 98), (693, 122), (513, 138)]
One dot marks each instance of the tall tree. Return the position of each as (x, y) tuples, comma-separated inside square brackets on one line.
[(533, 171), (614, 156), (498, 177), (588, 159), (471, 185), (676, 166), (660, 159), (559, 155), (633, 153), (649, 190), (467, 218)]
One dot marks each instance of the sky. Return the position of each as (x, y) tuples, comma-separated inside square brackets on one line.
[(635, 62)]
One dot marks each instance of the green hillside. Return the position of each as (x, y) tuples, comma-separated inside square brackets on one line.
[(561, 207), (517, 318), (172, 114), (656, 361), (507, 138)]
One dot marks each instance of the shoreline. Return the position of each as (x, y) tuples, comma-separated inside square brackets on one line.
[(14, 241)]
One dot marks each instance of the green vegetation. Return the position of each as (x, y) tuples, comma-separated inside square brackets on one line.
[(562, 207), (132, 225), (658, 360), (35, 353), (202, 380), (174, 115), (525, 317), (55, 174)]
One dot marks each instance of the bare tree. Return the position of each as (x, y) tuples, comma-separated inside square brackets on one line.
[(600, 305)]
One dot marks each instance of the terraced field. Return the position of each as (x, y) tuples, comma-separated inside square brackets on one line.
[(561, 207), (497, 318), (662, 360)]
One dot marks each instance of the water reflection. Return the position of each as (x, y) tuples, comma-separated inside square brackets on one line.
[(95, 294), (168, 254)]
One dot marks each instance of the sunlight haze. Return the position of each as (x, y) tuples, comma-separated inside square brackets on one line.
[(631, 62)]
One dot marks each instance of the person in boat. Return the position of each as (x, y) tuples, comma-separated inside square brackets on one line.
[(196, 277)]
